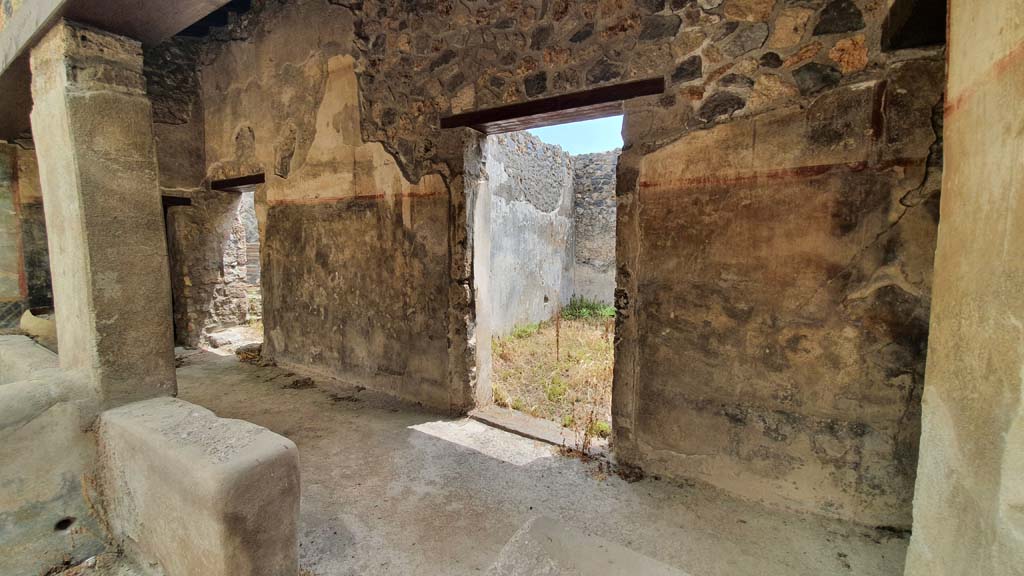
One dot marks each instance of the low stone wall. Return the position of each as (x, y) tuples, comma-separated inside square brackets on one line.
[(594, 225), (198, 494)]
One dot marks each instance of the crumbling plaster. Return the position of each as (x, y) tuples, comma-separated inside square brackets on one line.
[(354, 255), (776, 217), (530, 184), (206, 240), (794, 100)]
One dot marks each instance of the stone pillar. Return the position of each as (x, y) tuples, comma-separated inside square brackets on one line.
[(93, 129), (969, 499)]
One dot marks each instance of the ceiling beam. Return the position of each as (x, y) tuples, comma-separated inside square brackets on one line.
[(148, 21)]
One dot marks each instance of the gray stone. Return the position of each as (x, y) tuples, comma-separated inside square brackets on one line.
[(813, 78), (536, 83), (660, 26), (689, 69), (442, 60), (736, 81), (541, 37), (586, 31), (720, 104), (771, 60), (747, 37), (652, 5), (839, 16), (604, 71)]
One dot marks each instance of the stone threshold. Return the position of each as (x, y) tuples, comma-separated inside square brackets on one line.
[(534, 428)]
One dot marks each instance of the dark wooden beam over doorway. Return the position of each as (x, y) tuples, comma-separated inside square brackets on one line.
[(598, 102), (240, 184)]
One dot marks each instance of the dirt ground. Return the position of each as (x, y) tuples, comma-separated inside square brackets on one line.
[(558, 371)]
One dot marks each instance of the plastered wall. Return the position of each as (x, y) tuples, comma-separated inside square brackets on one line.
[(354, 254), (531, 193)]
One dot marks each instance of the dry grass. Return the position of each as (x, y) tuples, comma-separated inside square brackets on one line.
[(572, 388)]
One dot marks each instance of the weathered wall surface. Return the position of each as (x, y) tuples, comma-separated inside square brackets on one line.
[(355, 255), (35, 253), (11, 291), (207, 239), (969, 502), (781, 297), (775, 223), (594, 225), (531, 188), (776, 217), (24, 257)]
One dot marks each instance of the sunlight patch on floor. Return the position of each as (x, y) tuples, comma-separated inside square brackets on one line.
[(488, 441)]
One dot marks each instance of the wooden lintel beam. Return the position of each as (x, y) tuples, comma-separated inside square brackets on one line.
[(169, 201), (586, 105), (240, 184)]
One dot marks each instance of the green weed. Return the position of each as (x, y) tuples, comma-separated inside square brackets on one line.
[(580, 308), (525, 331)]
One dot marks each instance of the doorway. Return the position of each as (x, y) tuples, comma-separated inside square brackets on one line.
[(552, 272)]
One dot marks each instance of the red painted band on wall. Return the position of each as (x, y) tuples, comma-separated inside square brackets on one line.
[(339, 200), (779, 175)]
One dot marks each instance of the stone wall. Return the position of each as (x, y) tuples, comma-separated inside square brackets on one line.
[(531, 192), (355, 254), (24, 256), (11, 287), (776, 217), (207, 240), (594, 226)]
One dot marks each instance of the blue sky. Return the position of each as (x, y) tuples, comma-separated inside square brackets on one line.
[(584, 137)]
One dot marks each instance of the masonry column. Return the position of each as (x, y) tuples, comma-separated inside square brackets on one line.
[(93, 129), (969, 500)]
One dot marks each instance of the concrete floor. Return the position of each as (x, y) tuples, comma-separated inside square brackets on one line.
[(390, 489)]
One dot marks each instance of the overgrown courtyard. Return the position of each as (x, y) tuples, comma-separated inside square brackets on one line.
[(560, 370)]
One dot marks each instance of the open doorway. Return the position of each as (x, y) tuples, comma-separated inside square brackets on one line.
[(551, 279), (214, 242), (545, 265), (236, 306)]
